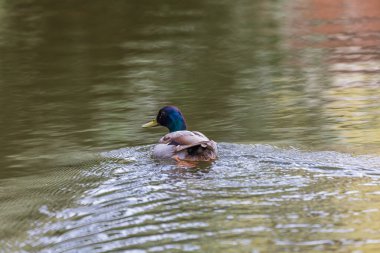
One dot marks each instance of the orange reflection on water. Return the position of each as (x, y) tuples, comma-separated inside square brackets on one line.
[(344, 22), (346, 35)]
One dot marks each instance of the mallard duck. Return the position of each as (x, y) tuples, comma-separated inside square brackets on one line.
[(179, 143)]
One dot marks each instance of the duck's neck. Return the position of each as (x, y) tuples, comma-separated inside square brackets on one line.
[(178, 124)]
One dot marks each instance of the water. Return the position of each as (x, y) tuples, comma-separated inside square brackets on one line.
[(254, 197), (288, 90)]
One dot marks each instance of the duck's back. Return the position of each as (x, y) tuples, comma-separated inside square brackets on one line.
[(186, 145)]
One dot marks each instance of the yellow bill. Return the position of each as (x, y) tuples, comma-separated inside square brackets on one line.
[(152, 123)]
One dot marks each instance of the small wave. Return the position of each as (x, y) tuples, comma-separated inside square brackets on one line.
[(251, 191)]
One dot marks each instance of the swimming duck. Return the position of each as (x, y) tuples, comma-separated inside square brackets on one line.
[(179, 143)]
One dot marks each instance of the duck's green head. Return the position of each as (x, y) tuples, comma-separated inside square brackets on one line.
[(170, 117)]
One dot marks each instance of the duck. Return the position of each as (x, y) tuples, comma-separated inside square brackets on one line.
[(181, 144)]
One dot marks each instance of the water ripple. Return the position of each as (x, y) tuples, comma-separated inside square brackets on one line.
[(251, 193)]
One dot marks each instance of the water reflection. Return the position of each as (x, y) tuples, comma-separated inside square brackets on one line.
[(71, 81), (347, 34)]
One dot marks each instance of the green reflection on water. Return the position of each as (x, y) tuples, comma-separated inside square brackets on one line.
[(79, 76)]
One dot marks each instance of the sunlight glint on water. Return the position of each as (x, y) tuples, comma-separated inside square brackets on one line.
[(252, 194)]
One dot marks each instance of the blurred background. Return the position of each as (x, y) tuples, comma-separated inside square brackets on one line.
[(83, 76)]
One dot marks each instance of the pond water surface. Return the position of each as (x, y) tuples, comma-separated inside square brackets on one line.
[(288, 90)]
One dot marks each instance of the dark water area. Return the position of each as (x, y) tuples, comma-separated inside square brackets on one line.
[(288, 89)]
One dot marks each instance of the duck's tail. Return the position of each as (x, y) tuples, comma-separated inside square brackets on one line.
[(202, 151)]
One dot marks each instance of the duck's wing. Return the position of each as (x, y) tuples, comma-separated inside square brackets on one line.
[(191, 145), (183, 138)]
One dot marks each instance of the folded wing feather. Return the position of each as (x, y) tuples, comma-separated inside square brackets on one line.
[(183, 140)]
